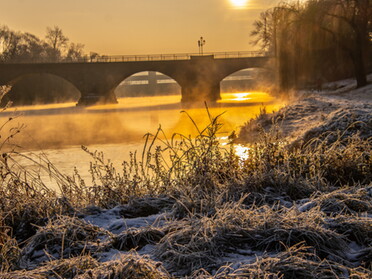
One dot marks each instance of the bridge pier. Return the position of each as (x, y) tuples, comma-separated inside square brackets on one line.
[(200, 92), (200, 81)]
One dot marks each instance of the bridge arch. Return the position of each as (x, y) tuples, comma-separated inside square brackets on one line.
[(43, 87), (246, 79), (147, 83)]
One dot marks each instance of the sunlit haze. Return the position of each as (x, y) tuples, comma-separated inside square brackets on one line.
[(129, 120), (140, 26)]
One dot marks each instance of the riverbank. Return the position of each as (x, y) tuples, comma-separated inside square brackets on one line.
[(339, 106), (299, 206)]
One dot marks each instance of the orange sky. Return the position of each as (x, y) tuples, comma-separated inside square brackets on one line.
[(139, 26)]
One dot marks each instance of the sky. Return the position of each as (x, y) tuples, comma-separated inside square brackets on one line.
[(126, 27)]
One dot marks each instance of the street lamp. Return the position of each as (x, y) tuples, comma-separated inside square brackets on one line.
[(201, 43)]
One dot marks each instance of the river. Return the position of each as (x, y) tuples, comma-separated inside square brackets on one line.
[(58, 131)]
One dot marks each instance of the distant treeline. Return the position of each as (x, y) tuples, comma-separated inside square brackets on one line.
[(25, 47), (317, 40), (19, 47)]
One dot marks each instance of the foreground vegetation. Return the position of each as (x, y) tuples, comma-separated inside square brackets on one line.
[(287, 211)]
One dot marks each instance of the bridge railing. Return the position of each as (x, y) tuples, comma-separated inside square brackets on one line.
[(178, 56), (150, 57)]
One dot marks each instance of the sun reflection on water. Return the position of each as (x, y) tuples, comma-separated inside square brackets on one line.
[(239, 150), (246, 97)]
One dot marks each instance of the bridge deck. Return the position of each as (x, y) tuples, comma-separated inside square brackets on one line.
[(150, 57)]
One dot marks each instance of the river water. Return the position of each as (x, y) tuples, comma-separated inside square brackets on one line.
[(58, 131)]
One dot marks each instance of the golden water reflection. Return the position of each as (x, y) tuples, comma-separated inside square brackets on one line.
[(148, 102), (65, 125), (60, 129)]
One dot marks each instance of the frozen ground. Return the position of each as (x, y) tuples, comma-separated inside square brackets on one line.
[(310, 113)]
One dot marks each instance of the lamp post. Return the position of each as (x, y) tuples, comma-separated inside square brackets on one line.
[(201, 43)]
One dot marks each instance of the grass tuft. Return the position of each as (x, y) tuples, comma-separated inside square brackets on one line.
[(63, 238), (127, 266)]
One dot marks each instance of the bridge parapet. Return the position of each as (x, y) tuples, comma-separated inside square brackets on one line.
[(148, 57)]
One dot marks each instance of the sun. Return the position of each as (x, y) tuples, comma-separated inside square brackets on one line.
[(239, 4)]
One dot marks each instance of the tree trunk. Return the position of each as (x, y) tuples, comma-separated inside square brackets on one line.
[(358, 61)]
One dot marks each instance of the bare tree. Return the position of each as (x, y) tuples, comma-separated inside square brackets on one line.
[(57, 41), (339, 25), (10, 42), (310, 39), (26, 47), (351, 21), (276, 32), (264, 31), (75, 52)]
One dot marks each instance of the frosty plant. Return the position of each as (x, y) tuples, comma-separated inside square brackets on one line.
[(200, 164), (6, 134), (24, 199), (183, 166)]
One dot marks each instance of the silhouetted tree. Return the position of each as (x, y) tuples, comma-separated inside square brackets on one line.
[(310, 39), (75, 52), (10, 42), (57, 41), (93, 56), (264, 31), (21, 47), (26, 47), (349, 21)]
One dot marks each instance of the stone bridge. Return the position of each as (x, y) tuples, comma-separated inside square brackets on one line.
[(198, 76)]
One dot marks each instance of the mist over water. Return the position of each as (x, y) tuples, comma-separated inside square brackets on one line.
[(59, 130)]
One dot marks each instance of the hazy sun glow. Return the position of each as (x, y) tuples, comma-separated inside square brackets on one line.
[(239, 4)]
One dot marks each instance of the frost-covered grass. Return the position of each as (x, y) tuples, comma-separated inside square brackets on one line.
[(189, 207)]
